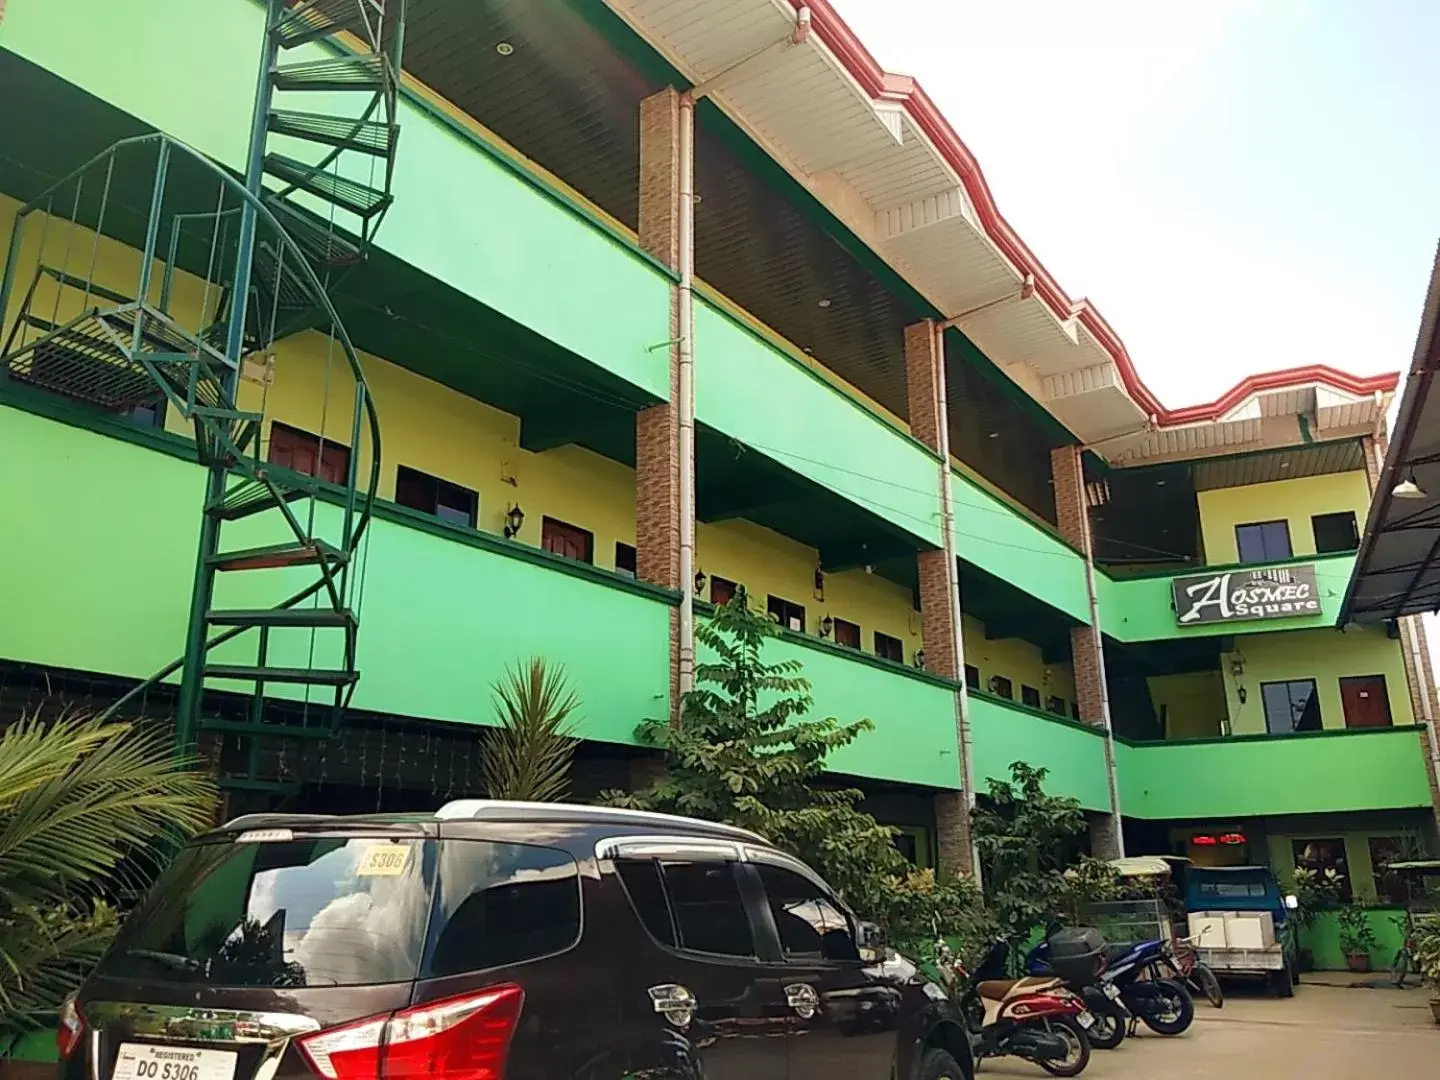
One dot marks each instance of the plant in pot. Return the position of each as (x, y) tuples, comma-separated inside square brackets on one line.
[(1315, 891), (1357, 936), (1427, 961)]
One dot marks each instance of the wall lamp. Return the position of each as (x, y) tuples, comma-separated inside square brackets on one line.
[(700, 580), (514, 518), (920, 658), (827, 626)]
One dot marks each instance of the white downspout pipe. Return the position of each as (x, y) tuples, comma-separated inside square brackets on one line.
[(952, 586), (685, 302)]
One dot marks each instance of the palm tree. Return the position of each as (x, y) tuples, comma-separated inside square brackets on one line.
[(88, 809), (528, 756)]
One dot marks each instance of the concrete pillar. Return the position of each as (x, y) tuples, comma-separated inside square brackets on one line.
[(657, 457), (936, 571), (1072, 516), (1104, 843)]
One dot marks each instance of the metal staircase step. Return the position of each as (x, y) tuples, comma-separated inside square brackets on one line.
[(321, 18), (81, 361), (275, 556), (301, 676), (333, 73), (256, 496), (366, 136), (70, 281), (318, 239), (362, 200), (284, 617)]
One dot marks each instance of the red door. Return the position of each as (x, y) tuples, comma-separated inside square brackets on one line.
[(567, 540), (1366, 701), (291, 448)]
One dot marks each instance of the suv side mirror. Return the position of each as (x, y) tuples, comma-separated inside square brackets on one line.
[(1292, 902), (870, 941)]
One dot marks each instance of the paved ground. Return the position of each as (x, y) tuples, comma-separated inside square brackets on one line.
[(1326, 1032)]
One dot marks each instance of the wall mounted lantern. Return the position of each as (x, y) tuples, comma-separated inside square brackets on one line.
[(514, 518), (699, 582), (827, 626)]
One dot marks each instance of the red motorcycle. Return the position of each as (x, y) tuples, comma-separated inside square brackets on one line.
[(1033, 1018)]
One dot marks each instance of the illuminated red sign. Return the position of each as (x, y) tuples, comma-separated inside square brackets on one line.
[(1204, 840), (1232, 838)]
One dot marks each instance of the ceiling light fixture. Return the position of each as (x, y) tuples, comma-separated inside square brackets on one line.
[(824, 301), (993, 435), (504, 48), (1408, 489)]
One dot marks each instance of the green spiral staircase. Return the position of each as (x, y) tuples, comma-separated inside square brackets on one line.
[(229, 266)]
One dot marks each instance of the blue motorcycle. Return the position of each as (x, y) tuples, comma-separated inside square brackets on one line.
[(1163, 1005)]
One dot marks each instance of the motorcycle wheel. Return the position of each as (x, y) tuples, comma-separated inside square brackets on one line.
[(1179, 1008), (1077, 1054), (1208, 985), (938, 1065), (1108, 1032)]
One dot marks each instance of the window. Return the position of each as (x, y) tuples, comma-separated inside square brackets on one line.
[(722, 591), (972, 677), (810, 924), (1002, 687), (847, 634), (1390, 887), (1074, 710), (571, 541), (791, 616), (1264, 541), (889, 648), (1291, 706), (1055, 705), (431, 495), (301, 452), (1323, 855), (502, 904), (1335, 532), (1029, 696), (624, 559), (689, 905)]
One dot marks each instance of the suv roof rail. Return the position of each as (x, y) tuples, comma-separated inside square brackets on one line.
[(509, 810)]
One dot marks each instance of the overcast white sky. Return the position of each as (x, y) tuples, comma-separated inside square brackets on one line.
[(1238, 185)]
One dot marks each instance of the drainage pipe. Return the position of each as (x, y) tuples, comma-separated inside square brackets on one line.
[(685, 407)]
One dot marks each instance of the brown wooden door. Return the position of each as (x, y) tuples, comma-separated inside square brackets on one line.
[(1366, 701), (567, 540), (291, 448)]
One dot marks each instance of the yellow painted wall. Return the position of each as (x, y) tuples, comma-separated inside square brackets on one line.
[(1323, 655), (1194, 703), (1291, 500), (1017, 660)]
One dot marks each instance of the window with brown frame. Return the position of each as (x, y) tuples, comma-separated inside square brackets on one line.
[(301, 452), (567, 540), (788, 614), (1002, 687), (1029, 696), (889, 648), (847, 634), (722, 591), (431, 495), (624, 559)]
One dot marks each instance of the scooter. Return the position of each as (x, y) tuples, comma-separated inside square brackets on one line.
[(1036, 1019), (1102, 998), (1163, 1005)]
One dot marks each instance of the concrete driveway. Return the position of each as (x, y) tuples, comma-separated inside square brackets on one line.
[(1325, 1032)]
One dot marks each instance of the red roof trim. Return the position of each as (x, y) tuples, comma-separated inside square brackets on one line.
[(880, 84)]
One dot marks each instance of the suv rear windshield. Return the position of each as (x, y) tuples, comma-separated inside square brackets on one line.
[(346, 911)]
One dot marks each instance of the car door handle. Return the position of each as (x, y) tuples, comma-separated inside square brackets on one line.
[(674, 1002), (803, 999)]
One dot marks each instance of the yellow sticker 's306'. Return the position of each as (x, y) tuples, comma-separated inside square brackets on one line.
[(383, 860)]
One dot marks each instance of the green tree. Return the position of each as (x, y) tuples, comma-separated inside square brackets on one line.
[(746, 752), (528, 756), (1029, 844), (88, 809)]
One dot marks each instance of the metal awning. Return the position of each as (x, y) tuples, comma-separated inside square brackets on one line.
[(1397, 571)]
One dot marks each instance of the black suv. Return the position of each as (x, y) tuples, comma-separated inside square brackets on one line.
[(501, 941)]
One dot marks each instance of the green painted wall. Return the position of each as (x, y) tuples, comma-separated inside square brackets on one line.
[(1323, 939), (1002, 733), (1293, 774), (1142, 609), (753, 392), (459, 214), (996, 538), (914, 735)]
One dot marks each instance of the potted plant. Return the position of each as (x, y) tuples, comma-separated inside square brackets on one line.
[(1427, 961), (1357, 936)]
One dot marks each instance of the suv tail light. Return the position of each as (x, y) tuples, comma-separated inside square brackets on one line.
[(459, 1038), (71, 1029)]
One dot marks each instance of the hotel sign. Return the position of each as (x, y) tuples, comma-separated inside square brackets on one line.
[(1240, 595)]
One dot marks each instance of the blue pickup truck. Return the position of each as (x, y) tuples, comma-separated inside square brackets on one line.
[(1217, 890)]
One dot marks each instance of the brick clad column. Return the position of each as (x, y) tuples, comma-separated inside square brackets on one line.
[(924, 368), (1072, 516), (657, 458)]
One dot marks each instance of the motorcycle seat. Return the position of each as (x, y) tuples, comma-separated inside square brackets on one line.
[(1002, 989)]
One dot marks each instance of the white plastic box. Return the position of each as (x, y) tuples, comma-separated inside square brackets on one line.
[(1208, 930), (1249, 929)]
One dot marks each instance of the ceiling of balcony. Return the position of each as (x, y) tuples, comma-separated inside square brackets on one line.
[(566, 94)]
